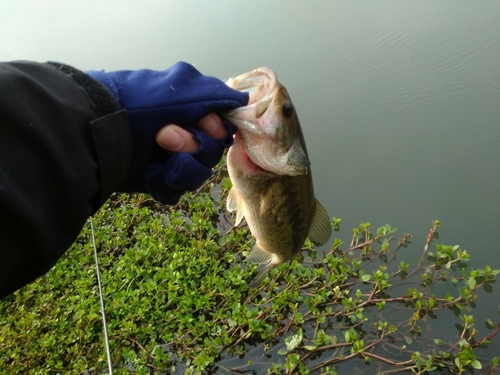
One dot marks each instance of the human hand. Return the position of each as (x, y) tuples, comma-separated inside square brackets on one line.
[(173, 138), (181, 96)]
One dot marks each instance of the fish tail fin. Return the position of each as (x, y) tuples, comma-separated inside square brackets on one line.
[(262, 275)]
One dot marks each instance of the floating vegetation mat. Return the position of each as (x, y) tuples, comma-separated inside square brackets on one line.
[(177, 301)]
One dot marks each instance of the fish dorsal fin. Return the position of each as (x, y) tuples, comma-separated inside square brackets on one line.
[(321, 229), (259, 256), (234, 202)]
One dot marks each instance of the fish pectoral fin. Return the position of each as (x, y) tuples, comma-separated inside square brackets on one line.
[(321, 229), (239, 217), (235, 203), (259, 256), (262, 275), (232, 200)]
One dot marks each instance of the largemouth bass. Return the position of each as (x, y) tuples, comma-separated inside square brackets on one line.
[(271, 174)]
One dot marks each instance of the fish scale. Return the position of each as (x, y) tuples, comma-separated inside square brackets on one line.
[(292, 203)]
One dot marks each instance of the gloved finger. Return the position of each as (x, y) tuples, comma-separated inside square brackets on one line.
[(213, 126), (181, 171), (180, 84), (169, 197), (228, 142), (173, 138), (179, 95), (163, 193), (156, 187), (210, 150)]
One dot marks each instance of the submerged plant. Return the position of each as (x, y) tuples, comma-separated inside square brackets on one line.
[(177, 301)]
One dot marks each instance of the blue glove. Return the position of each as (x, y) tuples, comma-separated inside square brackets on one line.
[(179, 95)]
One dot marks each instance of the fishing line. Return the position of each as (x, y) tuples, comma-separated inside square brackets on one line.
[(106, 339)]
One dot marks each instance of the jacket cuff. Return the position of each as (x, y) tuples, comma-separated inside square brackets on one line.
[(110, 131), (101, 99), (113, 147)]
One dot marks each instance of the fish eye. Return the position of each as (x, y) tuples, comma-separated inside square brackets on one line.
[(287, 109)]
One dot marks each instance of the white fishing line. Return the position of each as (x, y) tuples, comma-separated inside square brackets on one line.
[(105, 328)]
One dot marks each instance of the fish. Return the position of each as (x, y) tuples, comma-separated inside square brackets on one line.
[(270, 171)]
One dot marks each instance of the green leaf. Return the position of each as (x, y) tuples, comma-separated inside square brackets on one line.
[(472, 282), (476, 364), (366, 277), (294, 341), (310, 347), (382, 231), (438, 341)]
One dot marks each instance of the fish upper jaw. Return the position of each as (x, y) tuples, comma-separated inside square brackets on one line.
[(262, 86), (257, 83), (253, 119)]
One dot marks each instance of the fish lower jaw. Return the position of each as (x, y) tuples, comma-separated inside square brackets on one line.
[(244, 164), (248, 168), (253, 168)]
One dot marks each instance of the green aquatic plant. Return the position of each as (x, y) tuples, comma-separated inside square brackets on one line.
[(177, 301)]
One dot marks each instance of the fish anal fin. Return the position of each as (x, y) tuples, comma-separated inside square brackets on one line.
[(321, 229), (259, 256)]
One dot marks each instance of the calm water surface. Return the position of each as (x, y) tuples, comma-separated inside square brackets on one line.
[(399, 101)]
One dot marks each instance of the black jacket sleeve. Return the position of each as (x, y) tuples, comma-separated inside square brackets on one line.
[(64, 148)]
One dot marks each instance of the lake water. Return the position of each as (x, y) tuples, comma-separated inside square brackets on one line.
[(399, 101)]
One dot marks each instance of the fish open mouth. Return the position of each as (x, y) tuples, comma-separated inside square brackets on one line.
[(247, 163)]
